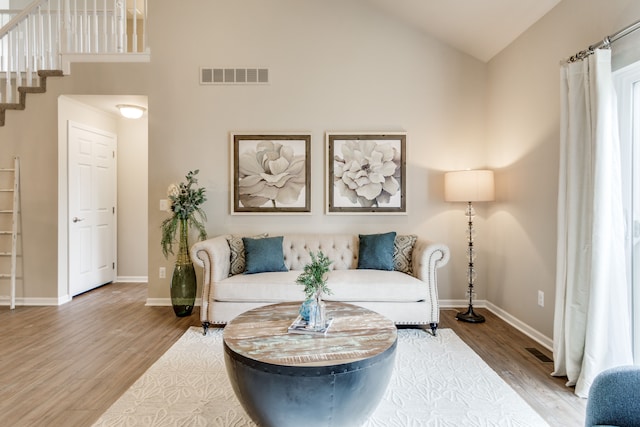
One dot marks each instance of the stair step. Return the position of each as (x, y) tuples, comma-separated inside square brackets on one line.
[(24, 90), (31, 89), (6, 190), (4, 233), (7, 170), (5, 276), (5, 211), (11, 106), (5, 253)]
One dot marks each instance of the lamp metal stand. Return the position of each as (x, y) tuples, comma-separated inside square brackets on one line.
[(470, 315)]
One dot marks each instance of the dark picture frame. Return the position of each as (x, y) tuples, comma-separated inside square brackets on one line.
[(366, 173), (271, 173)]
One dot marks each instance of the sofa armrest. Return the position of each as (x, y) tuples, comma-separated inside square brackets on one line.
[(214, 256), (427, 258)]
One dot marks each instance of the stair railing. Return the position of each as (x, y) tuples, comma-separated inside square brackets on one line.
[(37, 37)]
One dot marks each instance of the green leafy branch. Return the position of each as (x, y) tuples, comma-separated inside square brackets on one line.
[(185, 205), (314, 275)]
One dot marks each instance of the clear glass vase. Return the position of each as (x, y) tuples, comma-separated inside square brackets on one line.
[(183, 280), (317, 314)]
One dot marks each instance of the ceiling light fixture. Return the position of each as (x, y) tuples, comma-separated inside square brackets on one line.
[(131, 111)]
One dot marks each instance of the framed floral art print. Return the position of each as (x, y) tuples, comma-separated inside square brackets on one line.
[(366, 173), (271, 173)]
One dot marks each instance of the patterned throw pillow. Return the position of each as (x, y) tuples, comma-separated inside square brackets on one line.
[(237, 259), (403, 252)]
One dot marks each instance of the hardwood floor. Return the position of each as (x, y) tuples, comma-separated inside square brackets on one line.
[(64, 366)]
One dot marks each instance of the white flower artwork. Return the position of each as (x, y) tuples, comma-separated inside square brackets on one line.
[(366, 173), (271, 173)]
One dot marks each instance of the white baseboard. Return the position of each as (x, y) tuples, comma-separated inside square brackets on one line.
[(5, 300), (459, 303), (511, 320), (521, 326), (132, 279), (166, 302)]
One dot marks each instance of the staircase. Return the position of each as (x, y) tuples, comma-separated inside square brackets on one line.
[(24, 90), (43, 39)]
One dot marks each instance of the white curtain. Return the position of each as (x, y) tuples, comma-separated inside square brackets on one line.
[(592, 329)]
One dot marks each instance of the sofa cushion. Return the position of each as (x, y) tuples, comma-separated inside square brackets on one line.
[(263, 255), (264, 287), (376, 251), (375, 285), (345, 285), (403, 252), (237, 262)]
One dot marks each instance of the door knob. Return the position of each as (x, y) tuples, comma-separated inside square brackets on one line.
[(76, 219)]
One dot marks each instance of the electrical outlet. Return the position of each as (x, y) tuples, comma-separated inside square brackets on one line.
[(164, 205), (162, 273), (541, 298)]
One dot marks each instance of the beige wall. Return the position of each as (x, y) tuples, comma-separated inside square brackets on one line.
[(334, 66), (523, 143), (340, 66)]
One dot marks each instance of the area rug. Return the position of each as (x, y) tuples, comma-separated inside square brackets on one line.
[(437, 381)]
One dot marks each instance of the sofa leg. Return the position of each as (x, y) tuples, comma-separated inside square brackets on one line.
[(205, 328), (434, 327)]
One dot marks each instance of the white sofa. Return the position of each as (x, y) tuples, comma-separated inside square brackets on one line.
[(410, 299)]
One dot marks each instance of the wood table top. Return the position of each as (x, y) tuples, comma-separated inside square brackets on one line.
[(356, 333)]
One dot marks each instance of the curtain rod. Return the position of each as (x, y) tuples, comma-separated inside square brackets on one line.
[(605, 42)]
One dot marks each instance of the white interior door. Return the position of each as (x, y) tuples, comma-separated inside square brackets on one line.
[(92, 201)]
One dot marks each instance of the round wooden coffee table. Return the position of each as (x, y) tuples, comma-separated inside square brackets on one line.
[(284, 379)]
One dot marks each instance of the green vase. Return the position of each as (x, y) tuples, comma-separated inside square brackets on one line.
[(183, 281)]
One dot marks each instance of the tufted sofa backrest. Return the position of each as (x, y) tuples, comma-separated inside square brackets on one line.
[(342, 249)]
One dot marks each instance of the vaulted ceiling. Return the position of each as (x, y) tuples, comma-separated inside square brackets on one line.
[(481, 28)]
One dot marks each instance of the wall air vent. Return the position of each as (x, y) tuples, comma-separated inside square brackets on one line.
[(234, 76)]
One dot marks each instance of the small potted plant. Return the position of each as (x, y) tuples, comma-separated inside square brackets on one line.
[(314, 280)]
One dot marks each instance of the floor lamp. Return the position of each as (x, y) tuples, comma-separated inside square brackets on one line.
[(469, 186)]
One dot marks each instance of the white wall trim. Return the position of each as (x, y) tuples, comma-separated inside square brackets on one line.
[(132, 279), (535, 335), (461, 303), (69, 58), (36, 302), (521, 326), (166, 302)]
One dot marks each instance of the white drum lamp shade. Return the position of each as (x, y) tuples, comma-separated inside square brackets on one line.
[(469, 186)]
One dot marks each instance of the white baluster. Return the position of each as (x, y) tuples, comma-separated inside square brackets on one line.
[(28, 49), (105, 38), (96, 45), (144, 27), (85, 34), (134, 40), (122, 28), (20, 54), (10, 57), (38, 41), (75, 28)]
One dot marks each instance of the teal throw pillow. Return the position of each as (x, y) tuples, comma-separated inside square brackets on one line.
[(263, 255), (376, 251)]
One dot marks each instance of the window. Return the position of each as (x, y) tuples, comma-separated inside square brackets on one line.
[(627, 82)]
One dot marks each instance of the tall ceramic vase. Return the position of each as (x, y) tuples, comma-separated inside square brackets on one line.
[(183, 281)]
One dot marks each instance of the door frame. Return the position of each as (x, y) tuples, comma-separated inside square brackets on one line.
[(63, 279)]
